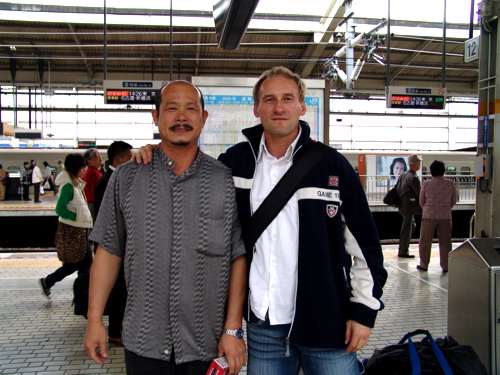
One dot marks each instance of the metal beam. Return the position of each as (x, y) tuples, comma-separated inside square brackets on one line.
[(45, 8), (197, 63), (336, 9), (90, 71), (407, 61)]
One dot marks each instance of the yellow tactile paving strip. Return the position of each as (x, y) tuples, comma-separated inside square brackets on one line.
[(30, 263)]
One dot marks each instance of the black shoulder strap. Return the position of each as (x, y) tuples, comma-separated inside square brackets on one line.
[(282, 192)]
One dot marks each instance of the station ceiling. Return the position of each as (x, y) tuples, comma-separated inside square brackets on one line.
[(73, 54)]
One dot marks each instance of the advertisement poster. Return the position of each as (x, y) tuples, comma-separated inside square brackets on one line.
[(389, 168)]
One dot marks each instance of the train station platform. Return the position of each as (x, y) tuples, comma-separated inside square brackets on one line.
[(40, 336)]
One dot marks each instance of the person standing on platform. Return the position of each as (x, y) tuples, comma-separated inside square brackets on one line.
[(3, 182), (119, 152), (36, 179), (91, 177), (26, 181), (437, 198), (316, 272), (47, 176), (73, 225), (175, 225), (59, 167), (408, 189)]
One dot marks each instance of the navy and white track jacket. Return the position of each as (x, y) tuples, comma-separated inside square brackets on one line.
[(340, 265)]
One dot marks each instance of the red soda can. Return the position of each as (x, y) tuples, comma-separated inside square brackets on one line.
[(219, 366)]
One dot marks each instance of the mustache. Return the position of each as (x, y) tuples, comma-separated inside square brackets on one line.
[(181, 126)]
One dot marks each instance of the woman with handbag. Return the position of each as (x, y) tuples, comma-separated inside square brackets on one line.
[(75, 222)]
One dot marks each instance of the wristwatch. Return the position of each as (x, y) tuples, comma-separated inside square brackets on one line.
[(238, 332)]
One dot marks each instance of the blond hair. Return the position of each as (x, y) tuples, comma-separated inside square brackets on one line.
[(279, 71)]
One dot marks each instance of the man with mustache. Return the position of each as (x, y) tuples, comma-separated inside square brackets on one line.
[(174, 222)]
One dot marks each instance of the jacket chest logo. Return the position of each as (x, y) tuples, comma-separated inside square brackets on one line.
[(333, 181), (331, 210)]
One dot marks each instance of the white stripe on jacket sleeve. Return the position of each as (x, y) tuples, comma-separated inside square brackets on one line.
[(361, 278)]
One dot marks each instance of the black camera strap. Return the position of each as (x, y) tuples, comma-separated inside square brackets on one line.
[(283, 191)]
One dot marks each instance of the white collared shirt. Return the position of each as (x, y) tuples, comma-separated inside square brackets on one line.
[(273, 272)]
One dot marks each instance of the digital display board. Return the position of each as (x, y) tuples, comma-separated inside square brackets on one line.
[(416, 97), (129, 96), (130, 92), (417, 101), (86, 143)]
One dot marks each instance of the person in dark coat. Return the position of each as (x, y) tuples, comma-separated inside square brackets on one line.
[(119, 152), (409, 191)]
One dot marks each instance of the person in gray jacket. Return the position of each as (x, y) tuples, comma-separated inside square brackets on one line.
[(408, 188)]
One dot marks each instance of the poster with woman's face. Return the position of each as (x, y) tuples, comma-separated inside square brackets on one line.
[(390, 167)]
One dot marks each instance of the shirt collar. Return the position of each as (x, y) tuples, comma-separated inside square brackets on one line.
[(289, 151), (111, 167), (169, 164)]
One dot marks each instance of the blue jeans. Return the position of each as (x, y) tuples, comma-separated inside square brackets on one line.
[(269, 354)]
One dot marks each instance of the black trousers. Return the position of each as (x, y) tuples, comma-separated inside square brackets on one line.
[(26, 192), (67, 269), (37, 192), (138, 365)]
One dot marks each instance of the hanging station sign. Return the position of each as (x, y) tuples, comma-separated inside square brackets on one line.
[(131, 91), (416, 97), (471, 49)]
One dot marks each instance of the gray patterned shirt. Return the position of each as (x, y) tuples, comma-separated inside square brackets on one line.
[(178, 236)]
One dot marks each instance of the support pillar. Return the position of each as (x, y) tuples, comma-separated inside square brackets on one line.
[(487, 222)]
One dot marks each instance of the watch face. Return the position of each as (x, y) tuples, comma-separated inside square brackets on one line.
[(239, 333)]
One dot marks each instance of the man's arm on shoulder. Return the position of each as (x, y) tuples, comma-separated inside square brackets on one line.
[(103, 274), (145, 154)]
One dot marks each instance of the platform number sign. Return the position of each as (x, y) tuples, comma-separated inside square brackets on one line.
[(471, 50)]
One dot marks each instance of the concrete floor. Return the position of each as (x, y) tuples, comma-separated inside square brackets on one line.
[(38, 336)]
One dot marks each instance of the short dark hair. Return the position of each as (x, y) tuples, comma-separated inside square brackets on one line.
[(397, 160), (45, 163), (117, 148), (164, 86), (437, 168), (73, 163)]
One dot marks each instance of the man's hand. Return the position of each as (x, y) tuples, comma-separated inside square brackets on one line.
[(95, 342), (234, 349), (144, 155), (356, 336)]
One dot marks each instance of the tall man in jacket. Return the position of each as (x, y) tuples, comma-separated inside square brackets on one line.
[(316, 272), (408, 188)]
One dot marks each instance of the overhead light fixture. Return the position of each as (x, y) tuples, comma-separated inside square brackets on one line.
[(12, 48), (231, 19)]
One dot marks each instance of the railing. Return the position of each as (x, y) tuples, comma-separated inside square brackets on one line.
[(376, 187)]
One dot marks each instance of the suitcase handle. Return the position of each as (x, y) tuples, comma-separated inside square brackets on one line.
[(415, 361)]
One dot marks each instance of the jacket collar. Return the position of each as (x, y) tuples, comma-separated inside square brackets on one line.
[(254, 136)]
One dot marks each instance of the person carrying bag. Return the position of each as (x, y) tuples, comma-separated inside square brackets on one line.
[(73, 227)]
